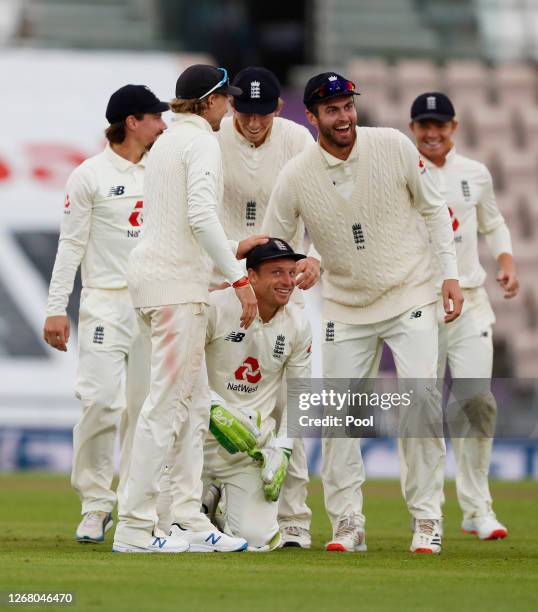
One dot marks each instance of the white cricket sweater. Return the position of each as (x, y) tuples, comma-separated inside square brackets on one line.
[(183, 186), (376, 255), (101, 223), (467, 186), (246, 368), (250, 174)]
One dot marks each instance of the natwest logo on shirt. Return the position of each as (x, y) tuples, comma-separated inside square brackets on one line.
[(249, 371), (135, 218)]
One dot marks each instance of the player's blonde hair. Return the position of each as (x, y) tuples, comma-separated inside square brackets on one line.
[(194, 106)]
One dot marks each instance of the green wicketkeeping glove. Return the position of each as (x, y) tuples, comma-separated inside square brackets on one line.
[(236, 430), (275, 461)]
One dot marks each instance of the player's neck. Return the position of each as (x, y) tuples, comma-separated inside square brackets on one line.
[(266, 311), (130, 150), (339, 152)]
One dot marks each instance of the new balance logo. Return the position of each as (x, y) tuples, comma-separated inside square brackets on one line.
[(280, 344), (329, 332), (358, 235), (416, 314), (213, 538), (466, 190), (234, 336), (251, 213), (99, 335), (160, 542), (116, 191)]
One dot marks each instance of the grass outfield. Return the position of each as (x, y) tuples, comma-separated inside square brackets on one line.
[(38, 514)]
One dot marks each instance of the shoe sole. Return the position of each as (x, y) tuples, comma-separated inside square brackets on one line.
[(425, 551), (496, 534), (335, 547), (86, 540), (208, 549), (292, 544), (123, 548)]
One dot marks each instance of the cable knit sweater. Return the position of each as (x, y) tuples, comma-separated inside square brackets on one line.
[(375, 253), (182, 185)]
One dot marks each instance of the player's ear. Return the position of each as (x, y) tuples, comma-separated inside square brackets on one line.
[(454, 124), (312, 119), (130, 122), (252, 276)]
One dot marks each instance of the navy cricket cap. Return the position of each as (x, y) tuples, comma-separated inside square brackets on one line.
[(432, 105), (200, 80), (275, 248), (261, 91), (133, 100), (328, 85)]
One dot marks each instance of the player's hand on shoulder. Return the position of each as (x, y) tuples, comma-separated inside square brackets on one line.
[(245, 294), (452, 299), (56, 332), (308, 272), (248, 244)]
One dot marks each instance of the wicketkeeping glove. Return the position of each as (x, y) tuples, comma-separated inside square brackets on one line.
[(275, 461), (236, 430)]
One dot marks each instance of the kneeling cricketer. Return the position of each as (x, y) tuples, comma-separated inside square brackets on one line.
[(245, 457)]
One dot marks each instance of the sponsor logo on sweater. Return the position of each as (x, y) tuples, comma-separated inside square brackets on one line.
[(67, 205), (136, 219), (249, 371), (329, 332), (116, 190), (454, 219)]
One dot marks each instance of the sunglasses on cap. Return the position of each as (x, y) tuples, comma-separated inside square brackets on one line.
[(332, 87), (221, 83)]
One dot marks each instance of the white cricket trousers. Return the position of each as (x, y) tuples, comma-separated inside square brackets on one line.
[(110, 351), (354, 352), (292, 506), (466, 344), (176, 335), (248, 514)]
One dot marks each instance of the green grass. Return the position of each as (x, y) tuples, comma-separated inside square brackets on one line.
[(39, 514)]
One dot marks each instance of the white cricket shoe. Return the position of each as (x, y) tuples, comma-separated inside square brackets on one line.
[(427, 536), (485, 527), (93, 526), (293, 536), (348, 537), (211, 540), (156, 544)]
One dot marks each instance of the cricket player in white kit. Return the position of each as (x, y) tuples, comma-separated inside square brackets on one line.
[(364, 197), (168, 277), (101, 224), (466, 343), (256, 144), (246, 370)]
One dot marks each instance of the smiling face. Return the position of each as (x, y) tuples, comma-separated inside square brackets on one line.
[(434, 139), (146, 130), (335, 121), (254, 127), (273, 283)]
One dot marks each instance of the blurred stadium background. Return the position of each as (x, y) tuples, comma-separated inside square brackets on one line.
[(61, 59)]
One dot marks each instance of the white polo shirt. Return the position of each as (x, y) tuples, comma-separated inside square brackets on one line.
[(246, 368), (467, 186), (102, 220)]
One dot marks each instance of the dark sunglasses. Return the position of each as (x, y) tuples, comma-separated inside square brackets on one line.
[(333, 87)]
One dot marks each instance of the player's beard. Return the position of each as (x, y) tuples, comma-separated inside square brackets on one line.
[(330, 135)]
